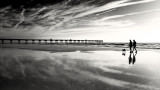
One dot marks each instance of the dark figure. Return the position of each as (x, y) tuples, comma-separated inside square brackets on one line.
[(130, 45), (19, 41), (134, 46), (134, 58), (130, 58)]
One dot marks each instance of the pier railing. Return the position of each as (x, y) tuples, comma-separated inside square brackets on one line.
[(49, 41)]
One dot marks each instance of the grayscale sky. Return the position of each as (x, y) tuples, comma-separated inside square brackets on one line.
[(108, 20)]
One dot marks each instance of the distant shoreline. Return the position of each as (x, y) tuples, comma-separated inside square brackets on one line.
[(67, 48), (60, 48)]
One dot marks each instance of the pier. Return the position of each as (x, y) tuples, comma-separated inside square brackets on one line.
[(49, 41)]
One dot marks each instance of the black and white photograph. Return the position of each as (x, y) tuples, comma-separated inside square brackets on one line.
[(80, 45)]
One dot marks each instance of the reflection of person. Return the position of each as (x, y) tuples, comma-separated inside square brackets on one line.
[(134, 58), (134, 46), (130, 58), (130, 45)]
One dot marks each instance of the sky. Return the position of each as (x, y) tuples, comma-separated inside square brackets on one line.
[(108, 20)]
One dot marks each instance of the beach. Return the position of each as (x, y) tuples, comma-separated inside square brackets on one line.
[(79, 45), (78, 68), (60, 48)]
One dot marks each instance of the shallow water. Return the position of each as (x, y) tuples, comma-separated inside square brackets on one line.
[(90, 70)]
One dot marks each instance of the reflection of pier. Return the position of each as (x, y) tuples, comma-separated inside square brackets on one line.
[(49, 41)]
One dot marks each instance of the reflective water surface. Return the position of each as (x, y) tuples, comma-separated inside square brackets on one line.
[(91, 70)]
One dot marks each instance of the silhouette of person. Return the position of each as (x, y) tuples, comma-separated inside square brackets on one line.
[(134, 58), (134, 46), (130, 45), (130, 58)]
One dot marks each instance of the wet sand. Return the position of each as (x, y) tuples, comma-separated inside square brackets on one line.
[(79, 70), (60, 48)]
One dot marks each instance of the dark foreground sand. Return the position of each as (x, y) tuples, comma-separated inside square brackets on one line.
[(89, 68)]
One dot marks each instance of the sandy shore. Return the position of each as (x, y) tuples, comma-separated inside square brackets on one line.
[(22, 69)]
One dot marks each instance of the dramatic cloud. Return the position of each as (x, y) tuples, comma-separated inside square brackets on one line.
[(65, 19)]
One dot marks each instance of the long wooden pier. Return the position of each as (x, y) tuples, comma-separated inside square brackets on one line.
[(49, 41)]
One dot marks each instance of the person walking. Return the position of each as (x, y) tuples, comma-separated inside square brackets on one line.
[(134, 45), (130, 45)]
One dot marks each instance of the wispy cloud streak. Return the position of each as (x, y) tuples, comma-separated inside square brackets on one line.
[(109, 6), (130, 14)]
